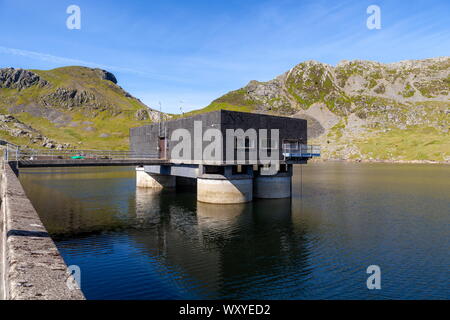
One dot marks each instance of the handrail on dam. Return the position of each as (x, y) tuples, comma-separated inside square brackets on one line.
[(36, 154), (65, 157), (15, 153), (296, 150)]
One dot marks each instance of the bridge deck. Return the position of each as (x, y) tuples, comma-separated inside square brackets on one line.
[(88, 162)]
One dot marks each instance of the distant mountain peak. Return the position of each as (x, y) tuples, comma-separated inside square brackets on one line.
[(359, 98)]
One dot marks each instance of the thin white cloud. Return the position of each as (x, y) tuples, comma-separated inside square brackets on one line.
[(69, 61), (62, 60)]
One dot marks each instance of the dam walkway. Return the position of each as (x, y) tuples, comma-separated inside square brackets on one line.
[(26, 158)]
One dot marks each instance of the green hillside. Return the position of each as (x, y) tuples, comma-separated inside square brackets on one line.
[(70, 107)]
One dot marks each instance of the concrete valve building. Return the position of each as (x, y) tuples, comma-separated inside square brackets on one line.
[(231, 156)]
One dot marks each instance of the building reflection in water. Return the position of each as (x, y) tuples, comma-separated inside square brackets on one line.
[(225, 249), (235, 251)]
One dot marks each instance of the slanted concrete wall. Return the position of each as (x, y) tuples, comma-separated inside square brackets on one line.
[(157, 181), (31, 265)]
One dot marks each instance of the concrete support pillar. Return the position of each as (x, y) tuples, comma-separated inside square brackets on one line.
[(272, 187), (158, 181), (225, 191)]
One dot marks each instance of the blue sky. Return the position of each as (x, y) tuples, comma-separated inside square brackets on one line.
[(194, 51)]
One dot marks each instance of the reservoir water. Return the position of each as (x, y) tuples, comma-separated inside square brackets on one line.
[(139, 244)]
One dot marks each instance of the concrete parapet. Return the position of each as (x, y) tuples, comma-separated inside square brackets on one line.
[(32, 267), (157, 181)]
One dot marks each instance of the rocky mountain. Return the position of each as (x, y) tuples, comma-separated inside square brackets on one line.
[(356, 109), (360, 109), (70, 107)]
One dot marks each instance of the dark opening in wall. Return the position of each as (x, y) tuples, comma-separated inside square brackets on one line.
[(214, 170)]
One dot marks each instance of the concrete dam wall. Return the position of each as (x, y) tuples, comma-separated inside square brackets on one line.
[(31, 267)]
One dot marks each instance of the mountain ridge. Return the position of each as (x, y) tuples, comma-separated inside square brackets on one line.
[(360, 110), (356, 110)]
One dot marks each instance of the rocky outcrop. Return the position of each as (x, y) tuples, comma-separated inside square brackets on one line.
[(348, 86), (105, 75), (69, 98), (355, 101), (12, 127), (141, 115), (19, 79), (148, 114)]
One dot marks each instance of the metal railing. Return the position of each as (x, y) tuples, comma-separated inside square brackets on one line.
[(10, 150), (14, 153), (300, 151)]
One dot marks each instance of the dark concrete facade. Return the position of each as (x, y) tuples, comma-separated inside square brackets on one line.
[(156, 138)]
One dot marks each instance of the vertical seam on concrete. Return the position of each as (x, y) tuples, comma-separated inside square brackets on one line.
[(3, 252), (3, 240)]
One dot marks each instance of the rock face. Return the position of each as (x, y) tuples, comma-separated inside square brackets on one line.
[(19, 79), (69, 98), (142, 114), (15, 128), (355, 107), (347, 86), (149, 114), (105, 75)]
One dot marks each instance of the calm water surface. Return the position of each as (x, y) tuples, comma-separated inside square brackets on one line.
[(139, 244)]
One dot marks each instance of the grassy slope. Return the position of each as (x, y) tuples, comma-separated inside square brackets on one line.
[(415, 143), (115, 121), (233, 101)]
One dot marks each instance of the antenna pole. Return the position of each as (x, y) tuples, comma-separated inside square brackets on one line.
[(160, 119)]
